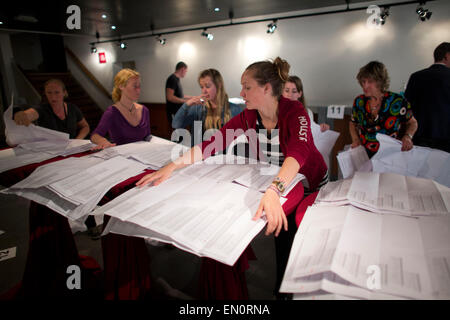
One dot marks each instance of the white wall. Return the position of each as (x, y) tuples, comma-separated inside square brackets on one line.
[(325, 51)]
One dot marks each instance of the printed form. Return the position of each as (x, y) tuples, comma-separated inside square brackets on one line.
[(336, 246), (418, 162), (199, 214)]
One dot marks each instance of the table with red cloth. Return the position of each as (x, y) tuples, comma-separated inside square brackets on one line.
[(126, 262), (126, 271), (51, 249)]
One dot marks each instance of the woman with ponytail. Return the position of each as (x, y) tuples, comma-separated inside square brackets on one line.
[(125, 121), (211, 107), (267, 110)]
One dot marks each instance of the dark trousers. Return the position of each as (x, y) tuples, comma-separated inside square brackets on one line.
[(90, 222), (283, 244)]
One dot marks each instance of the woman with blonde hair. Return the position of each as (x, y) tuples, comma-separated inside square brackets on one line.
[(125, 121), (55, 114), (212, 107)]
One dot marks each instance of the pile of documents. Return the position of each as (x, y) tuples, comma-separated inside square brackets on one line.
[(74, 186), (200, 209), (324, 141), (389, 193), (35, 144), (397, 247), (418, 162)]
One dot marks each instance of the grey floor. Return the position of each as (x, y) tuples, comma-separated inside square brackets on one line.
[(171, 280)]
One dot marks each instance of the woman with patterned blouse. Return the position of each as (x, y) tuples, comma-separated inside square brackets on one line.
[(380, 111)]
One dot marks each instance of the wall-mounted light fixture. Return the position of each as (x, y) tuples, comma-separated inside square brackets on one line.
[(208, 35), (162, 41), (424, 14), (271, 27)]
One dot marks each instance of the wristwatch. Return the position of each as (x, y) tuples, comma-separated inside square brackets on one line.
[(279, 184), (410, 135)]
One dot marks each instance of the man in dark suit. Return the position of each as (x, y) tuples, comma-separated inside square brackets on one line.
[(428, 92)]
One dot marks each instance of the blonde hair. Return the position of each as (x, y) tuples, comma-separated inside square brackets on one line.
[(213, 118), (121, 79), (57, 81), (276, 73)]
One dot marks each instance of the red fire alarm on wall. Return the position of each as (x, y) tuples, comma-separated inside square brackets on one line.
[(102, 57)]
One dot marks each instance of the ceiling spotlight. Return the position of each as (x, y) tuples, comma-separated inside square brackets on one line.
[(93, 49), (113, 27), (208, 35), (161, 41), (271, 27), (104, 16), (216, 9), (123, 45), (424, 14), (383, 16)]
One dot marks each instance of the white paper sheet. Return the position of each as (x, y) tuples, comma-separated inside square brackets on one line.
[(17, 157), (388, 193), (197, 213), (335, 247), (418, 162), (353, 160), (81, 187), (55, 171), (16, 134), (324, 141)]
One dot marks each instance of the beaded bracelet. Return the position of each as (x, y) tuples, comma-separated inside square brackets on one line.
[(272, 187)]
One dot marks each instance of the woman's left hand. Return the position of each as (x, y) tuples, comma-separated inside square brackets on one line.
[(407, 143), (276, 218), (324, 127)]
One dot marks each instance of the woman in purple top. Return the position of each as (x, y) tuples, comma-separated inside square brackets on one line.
[(125, 121)]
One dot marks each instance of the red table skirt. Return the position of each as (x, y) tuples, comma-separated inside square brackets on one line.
[(127, 262), (51, 251), (126, 266), (219, 281), (127, 274)]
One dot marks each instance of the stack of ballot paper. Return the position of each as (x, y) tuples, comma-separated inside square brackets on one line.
[(156, 153), (418, 162), (324, 141), (375, 236), (199, 210), (74, 186), (353, 160), (35, 144), (388, 193), (353, 253)]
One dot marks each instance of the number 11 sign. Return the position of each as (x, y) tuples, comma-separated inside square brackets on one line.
[(335, 112)]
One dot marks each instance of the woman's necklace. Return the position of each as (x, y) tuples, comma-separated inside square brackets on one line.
[(129, 109), (374, 107)]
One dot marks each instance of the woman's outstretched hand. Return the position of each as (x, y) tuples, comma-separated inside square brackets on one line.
[(157, 177), (276, 218)]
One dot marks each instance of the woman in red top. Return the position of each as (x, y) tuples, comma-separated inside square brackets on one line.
[(262, 84), (286, 126)]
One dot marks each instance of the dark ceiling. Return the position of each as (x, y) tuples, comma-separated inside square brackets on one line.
[(136, 16)]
